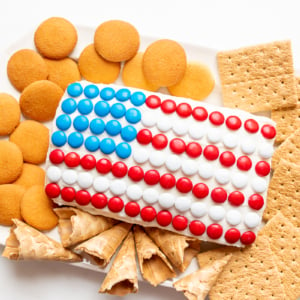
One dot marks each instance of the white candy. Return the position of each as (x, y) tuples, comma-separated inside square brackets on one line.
[(216, 213), (197, 131), (239, 180), (118, 187), (206, 170), (157, 158), (189, 167), (140, 155), (85, 180), (54, 174), (166, 200), (148, 119), (230, 140), (214, 135), (134, 192), (266, 151), (259, 185), (183, 203), (173, 163), (198, 209), (233, 217), (101, 184), (150, 196), (248, 146), (252, 220), (164, 124), (69, 176), (180, 127), (222, 176)]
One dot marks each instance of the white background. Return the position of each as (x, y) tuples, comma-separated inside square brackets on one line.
[(216, 24)]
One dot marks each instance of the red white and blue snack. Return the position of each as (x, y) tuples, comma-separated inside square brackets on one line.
[(157, 160)]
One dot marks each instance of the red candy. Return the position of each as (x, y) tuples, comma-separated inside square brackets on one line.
[(167, 181), (144, 136), (168, 106), (132, 209), (262, 168), (72, 160), (159, 141), (197, 227), (184, 110), (68, 194), (236, 198), (211, 152), (216, 118), (99, 200), (136, 173), (164, 218), (115, 204), (256, 201), (200, 190), (56, 156), (214, 231), (119, 169), (233, 122), (177, 145), (227, 159), (180, 222), (244, 163), (52, 190), (184, 185), (268, 131), (251, 126), (200, 113), (103, 166), (193, 149), (151, 177), (153, 101), (83, 197), (88, 162), (232, 235), (148, 213), (248, 237), (219, 195)]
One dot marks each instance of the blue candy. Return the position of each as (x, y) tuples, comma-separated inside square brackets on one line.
[(138, 98), (68, 106), (107, 146), (63, 122), (113, 127), (97, 126), (128, 133), (74, 89), (118, 110), (58, 138), (75, 139), (91, 91), (92, 143), (123, 94), (123, 150), (107, 93), (81, 123), (102, 108), (85, 106), (133, 115)]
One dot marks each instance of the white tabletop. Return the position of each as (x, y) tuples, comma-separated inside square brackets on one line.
[(217, 24)]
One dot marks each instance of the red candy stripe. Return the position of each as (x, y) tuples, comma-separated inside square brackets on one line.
[(136, 173), (200, 190), (68, 194), (268, 131), (200, 113), (57, 156), (244, 163), (214, 231), (248, 237), (256, 201), (99, 200), (197, 227), (211, 152), (144, 136), (193, 149), (167, 181), (216, 118), (251, 126), (83, 197), (151, 177), (153, 101), (52, 190), (184, 185), (164, 218), (219, 195), (180, 222), (103, 166), (115, 204), (132, 209), (236, 198), (88, 162), (159, 141), (262, 168), (148, 213), (177, 145), (233, 122), (119, 169), (168, 106), (227, 158), (184, 110), (72, 159), (232, 235)]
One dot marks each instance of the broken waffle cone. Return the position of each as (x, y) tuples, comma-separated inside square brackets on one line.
[(196, 285), (154, 265), (179, 249), (75, 225), (122, 276), (25, 242), (103, 246)]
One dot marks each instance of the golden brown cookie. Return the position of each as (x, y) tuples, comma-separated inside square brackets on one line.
[(24, 67), (40, 99), (55, 38), (37, 210), (62, 71), (96, 69), (116, 40), (164, 62), (11, 162), (10, 203), (9, 114), (33, 139), (132, 74), (197, 82), (31, 175)]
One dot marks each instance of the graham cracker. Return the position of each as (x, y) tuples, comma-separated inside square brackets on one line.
[(284, 193), (250, 274), (258, 78), (287, 120), (284, 241)]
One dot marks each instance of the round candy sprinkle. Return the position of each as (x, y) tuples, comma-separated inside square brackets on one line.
[(248, 237), (102, 108), (75, 139), (177, 145), (140, 155), (168, 106), (136, 173), (68, 106), (103, 165), (57, 156), (214, 231), (148, 119), (189, 167), (183, 204), (115, 204), (216, 118), (92, 143), (200, 190), (107, 146), (133, 115), (164, 218), (167, 181), (68, 194), (113, 127), (159, 141), (184, 185), (180, 222), (107, 93), (233, 217), (259, 185), (197, 131), (81, 123), (134, 192), (123, 150), (118, 187), (153, 101), (166, 200), (211, 152), (58, 138), (88, 162), (52, 190), (252, 220), (251, 126), (72, 159), (151, 177), (184, 110), (256, 201), (268, 131), (150, 196), (227, 159), (101, 184), (180, 128), (206, 170), (118, 110), (197, 227), (222, 176), (244, 163), (74, 89), (91, 91), (266, 151), (69, 176), (232, 235), (119, 169), (214, 135), (63, 122), (233, 122), (85, 106), (144, 136), (248, 146), (262, 168), (85, 180), (123, 94), (230, 140), (132, 209), (138, 98), (200, 113), (198, 209), (164, 124), (216, 213), (148, 213), (97, 126), (173, 163), (157, 159), (83, 197), (219, 195), (193, 149), (99, 200), (128, 133), (236, 198)]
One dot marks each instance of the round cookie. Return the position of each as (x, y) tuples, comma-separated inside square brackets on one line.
[(33, 139), (40, 99), (37, 210), (197, 83), (24, 67), (132, 74), (164, 62), (9, 114), (55, 38), (31, 175), (96, 69), (116, 40), (62, 71), (10, 203), (11, 162)]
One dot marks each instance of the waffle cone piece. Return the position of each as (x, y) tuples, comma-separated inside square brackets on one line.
[(103, 246), (196, 285), (25, 242), (179, 249), (122, 276), (75, 225), (154, 265)]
